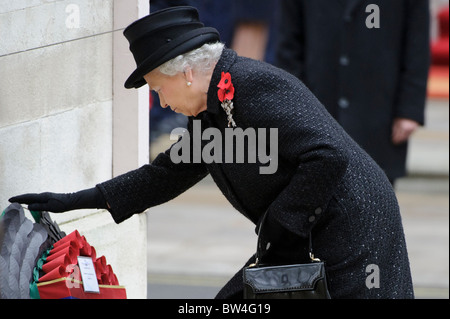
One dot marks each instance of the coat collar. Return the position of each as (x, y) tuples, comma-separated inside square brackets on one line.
[(224, 64)]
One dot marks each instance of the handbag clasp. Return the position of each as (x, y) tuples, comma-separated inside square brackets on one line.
[(254, 264), (311, 256)]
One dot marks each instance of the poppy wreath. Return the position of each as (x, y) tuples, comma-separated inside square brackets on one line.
[(39, 261)]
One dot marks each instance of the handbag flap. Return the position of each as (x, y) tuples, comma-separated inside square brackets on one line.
[(281, 278)]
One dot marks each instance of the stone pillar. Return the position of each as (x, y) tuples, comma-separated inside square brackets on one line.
[(64, 115)]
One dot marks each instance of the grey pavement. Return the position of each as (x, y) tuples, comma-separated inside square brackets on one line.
[(198, 241)]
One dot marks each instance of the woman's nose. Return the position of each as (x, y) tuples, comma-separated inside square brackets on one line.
[(162, 101)]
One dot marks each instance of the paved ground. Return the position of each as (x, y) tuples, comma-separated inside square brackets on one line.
[(198, 241)]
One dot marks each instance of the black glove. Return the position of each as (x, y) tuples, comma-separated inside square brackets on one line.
[(57, 203)]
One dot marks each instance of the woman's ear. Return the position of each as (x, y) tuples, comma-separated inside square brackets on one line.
[(189, 75)]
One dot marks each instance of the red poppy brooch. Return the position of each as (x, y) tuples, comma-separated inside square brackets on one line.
[(226, 95)]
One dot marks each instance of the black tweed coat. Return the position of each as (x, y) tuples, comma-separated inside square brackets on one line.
[(325, 184)]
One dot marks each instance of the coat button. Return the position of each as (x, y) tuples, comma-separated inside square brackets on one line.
[(343, 103), (318, 211), (344, 60), (312, 218)]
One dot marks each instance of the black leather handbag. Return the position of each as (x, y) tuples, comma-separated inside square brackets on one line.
[(298, 281)]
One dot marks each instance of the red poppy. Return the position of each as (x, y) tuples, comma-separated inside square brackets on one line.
[(226, 88)]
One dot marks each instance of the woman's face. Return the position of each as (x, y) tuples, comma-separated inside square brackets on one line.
[(174, 92)]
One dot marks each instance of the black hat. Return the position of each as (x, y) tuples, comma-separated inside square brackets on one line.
[(162, 36)]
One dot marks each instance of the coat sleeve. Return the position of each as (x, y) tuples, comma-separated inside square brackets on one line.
[(415, 61), (289, 46), (150, 185)]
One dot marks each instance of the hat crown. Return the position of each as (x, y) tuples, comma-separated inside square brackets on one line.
[(160, 20), (162, 36)]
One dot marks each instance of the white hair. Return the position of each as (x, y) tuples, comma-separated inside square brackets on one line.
[(201, 60)]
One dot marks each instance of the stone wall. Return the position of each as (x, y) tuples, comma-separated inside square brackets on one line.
[(61, 96)]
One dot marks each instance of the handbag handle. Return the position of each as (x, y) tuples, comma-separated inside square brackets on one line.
[(259, 247)]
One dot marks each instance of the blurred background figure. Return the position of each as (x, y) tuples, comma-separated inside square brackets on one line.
[(438, 86), (368, 66), (254, 28), (247, 26)]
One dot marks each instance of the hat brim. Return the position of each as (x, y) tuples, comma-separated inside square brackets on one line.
[(182, 44)]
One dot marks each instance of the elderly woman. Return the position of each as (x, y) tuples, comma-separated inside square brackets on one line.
[(323, 183)]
